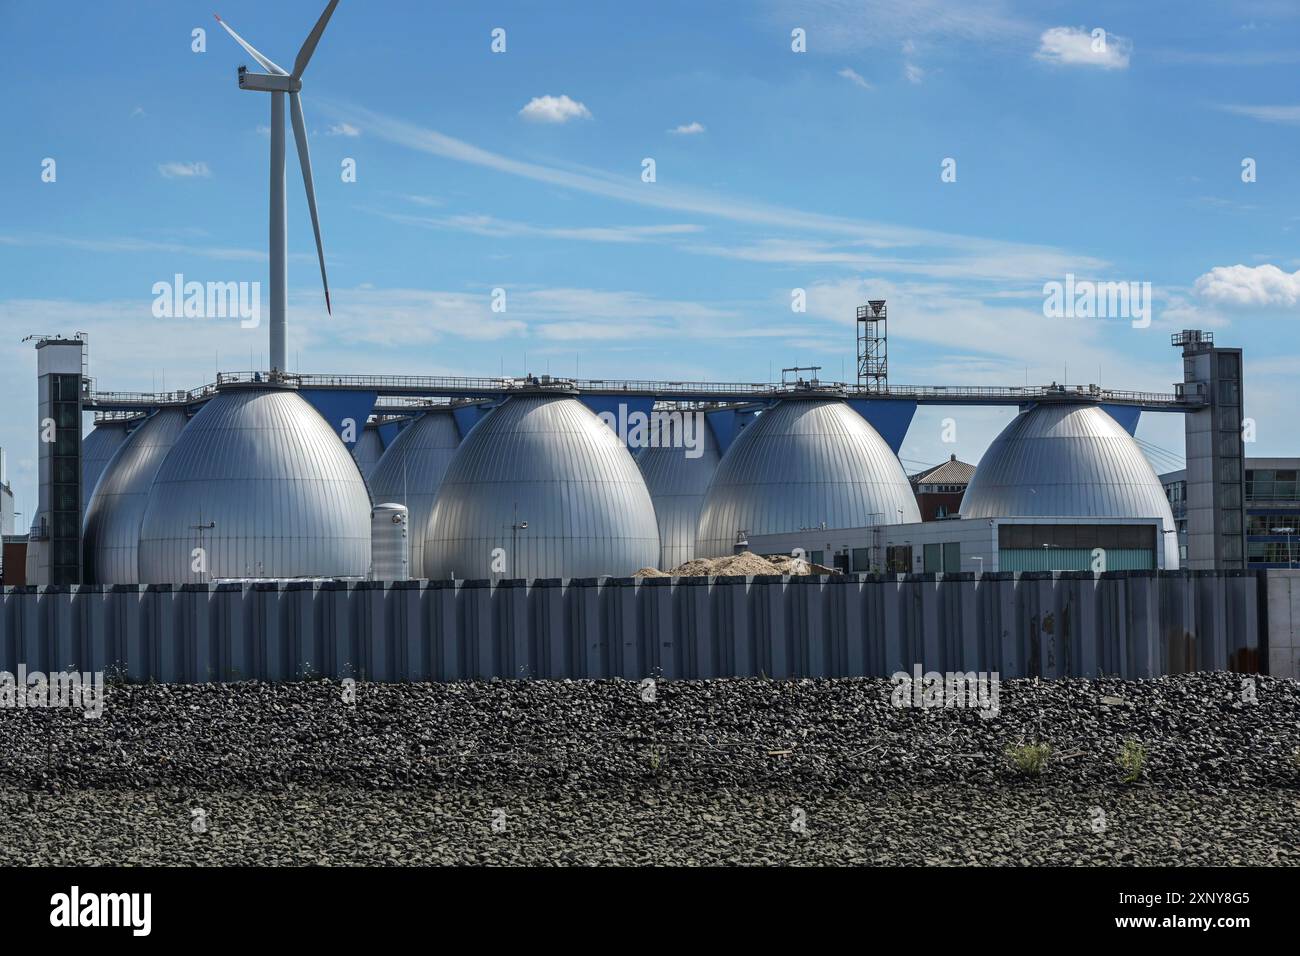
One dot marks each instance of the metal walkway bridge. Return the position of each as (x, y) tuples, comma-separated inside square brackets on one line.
[(402, 392)]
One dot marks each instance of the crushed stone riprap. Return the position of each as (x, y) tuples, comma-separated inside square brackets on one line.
[(1201, 768)]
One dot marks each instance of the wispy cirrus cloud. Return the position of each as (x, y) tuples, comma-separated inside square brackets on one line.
[(496, 228), (926, 243), (991, 262), (838, 26), (854, 77), (1285, 115), (131, 245), (1224, 57), (184, 170)]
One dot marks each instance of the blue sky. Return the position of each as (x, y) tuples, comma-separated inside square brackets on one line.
[(775, 170)]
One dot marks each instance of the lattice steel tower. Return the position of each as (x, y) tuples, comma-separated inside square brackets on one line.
[(873, 346)]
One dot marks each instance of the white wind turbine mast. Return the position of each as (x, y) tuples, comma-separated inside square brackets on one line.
[(277, 82)]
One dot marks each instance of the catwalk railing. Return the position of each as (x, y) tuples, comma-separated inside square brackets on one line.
[(460, 387), (1133, 624)]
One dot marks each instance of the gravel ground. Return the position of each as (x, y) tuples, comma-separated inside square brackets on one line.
[(726, 771)]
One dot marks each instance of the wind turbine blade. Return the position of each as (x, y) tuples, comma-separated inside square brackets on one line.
[(248, 47), (304, 159), (309, 45)]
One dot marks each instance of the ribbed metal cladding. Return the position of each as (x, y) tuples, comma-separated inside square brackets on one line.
[(549, 461), (677, 485), (96, 449), (368, 450), (112, 530), (1068, 461), (390, 543), (411, 470), (285, 497), (799, 464)]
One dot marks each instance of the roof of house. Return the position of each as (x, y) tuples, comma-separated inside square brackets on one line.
[(950, 472)]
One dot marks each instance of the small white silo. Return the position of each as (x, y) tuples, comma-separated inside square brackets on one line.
[(390, 543)]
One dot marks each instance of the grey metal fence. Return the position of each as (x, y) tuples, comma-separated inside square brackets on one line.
[(1131, 623)]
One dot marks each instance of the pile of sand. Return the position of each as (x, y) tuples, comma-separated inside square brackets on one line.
[(738, 565)]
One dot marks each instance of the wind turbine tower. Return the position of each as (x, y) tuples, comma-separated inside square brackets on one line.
[(278, 83)]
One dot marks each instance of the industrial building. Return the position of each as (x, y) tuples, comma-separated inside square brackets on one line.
[(1063, 488), (677, 483), (981, 545), (411, 468), (111, 536), (1272, 505), (268, 476), (540, 488), (807, 462), (257, 486)]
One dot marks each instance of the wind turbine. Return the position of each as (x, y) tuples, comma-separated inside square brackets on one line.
[(277, 82)]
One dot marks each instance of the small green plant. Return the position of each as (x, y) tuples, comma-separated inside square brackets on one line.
[(1029, 759), (1132, 758), (656, 758)]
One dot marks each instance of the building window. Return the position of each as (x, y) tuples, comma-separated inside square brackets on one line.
[(899, 558), (1273, 552), (952, 557), (933, 561), (1273, 524), (861, 559)]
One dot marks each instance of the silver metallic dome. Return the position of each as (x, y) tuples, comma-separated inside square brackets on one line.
[(112, 530), (1068, 461), (550, 462), (264, 486), (677, 485), (411, 470), (96, 449), (802, 463), (368, 450)]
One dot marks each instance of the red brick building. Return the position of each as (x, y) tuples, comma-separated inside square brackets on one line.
[(939, 489)]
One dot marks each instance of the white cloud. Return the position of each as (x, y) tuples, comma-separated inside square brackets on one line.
[(132, 246), (913, 73), (1076, 46), (854, 77), (184, 170), (554, 109), (1252, 286), (482, 225), (343, 129), (688, 129), (1286, 115)]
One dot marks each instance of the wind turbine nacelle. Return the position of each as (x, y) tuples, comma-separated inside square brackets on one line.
[(267, 82)]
